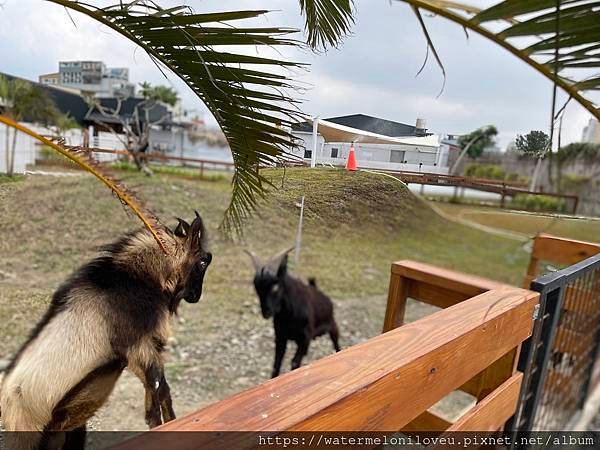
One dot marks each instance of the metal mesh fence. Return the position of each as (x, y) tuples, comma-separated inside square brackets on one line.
[(559, 359)]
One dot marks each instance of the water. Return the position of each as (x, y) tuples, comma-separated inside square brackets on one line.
[(448, 191), (217, 154)]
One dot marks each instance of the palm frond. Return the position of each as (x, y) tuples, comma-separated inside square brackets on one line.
[(248, 95), (82, 158), (326, 21), (563, 44)]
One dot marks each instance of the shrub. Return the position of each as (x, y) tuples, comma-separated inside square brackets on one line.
[(489, 171), (571, 181), (539, 203)]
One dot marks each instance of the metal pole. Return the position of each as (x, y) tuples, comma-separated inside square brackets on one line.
[(299, 235), (313, 155)]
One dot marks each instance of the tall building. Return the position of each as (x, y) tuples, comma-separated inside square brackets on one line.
[(591, 133), (91, 77)]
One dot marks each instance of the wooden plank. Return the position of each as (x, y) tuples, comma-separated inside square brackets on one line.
[(491, 377), (380, 385), (561, 250), (470, 285), (427, 422), (435, 295), (396, 304), (494, 410)]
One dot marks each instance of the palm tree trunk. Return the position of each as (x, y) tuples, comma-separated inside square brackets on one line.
[(454, 167), (536, 174)]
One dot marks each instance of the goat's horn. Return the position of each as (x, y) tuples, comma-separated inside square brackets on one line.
[(255, 260), (275, 261)]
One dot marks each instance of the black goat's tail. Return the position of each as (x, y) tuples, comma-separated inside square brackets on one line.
[(312, 281)]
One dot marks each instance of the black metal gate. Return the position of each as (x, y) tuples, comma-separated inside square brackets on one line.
[(558, 360)]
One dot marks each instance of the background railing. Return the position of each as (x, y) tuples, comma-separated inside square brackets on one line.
[(557, 251)]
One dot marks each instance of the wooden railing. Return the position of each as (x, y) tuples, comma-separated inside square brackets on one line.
[(501, 187), (387, 383), (557, 250)]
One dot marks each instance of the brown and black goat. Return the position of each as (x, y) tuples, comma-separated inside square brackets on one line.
[(112, 313), (300, 312)]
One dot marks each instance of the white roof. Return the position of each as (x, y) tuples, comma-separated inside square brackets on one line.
[(333, 132)]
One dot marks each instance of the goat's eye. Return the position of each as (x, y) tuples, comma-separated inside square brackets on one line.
[(274, 288), (202, 264)]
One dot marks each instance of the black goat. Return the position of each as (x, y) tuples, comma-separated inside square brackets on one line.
[(112, 313), (300, 312)]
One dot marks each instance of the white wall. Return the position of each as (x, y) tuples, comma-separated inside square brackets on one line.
[(28, 148), (378, 156)]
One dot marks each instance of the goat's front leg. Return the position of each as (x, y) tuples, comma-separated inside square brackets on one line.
[(300, 352), (166, 404), (151, 377), (280, 346)]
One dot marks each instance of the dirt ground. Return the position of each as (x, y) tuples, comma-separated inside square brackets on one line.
[(353, 231)]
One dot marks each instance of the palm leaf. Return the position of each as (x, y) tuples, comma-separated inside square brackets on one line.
[(326, 21), (563, 45), (248, 95), (82, 158)]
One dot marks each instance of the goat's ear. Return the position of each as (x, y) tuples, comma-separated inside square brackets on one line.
[(183, 228), (282, 269), (198, 232)]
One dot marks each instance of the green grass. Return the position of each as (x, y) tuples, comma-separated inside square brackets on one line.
[(527, 224), (186, 172), (4, 178)]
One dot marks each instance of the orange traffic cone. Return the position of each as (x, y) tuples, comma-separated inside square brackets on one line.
[(351, 163)]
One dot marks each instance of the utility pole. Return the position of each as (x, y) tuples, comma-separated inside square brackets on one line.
[(299, 234)]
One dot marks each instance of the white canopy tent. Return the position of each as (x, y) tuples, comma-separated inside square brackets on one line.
[(333, 132)]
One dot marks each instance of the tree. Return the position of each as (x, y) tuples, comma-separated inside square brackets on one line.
[(474, 144), (136, 127), (535, 144), (248, 94), (164, 94), (477, 141), (19, 100)]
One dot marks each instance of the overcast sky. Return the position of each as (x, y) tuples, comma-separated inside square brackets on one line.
[(373, 71)]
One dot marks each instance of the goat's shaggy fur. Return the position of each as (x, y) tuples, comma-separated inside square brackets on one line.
[(110, 314)]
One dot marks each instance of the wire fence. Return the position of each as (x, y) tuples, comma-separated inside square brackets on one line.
[(559, 360)]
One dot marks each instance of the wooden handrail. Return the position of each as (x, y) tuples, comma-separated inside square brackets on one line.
[(429, 284), (382, 384), (557, 250)]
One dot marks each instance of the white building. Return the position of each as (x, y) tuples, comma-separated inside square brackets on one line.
[(591, 133), (411, 149), (91, 77)]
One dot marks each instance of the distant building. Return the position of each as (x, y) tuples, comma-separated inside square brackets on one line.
[(91, 77), (591, 133), (379, 143), (51, 79)]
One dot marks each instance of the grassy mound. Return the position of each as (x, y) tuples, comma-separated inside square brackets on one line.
[(336, 198)]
